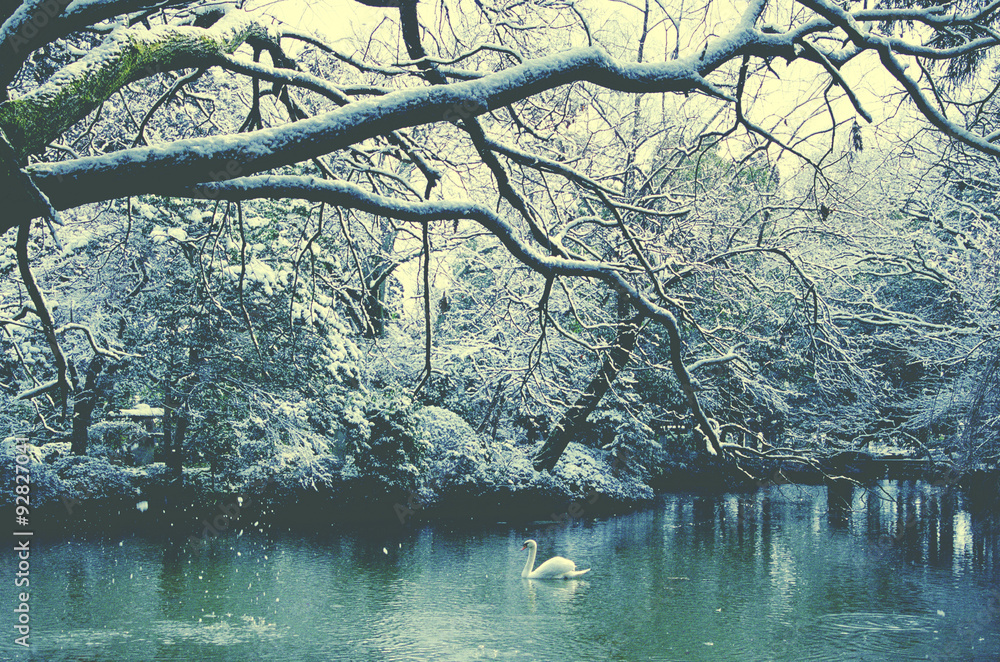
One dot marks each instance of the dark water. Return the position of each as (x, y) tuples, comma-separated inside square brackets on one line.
[(904, 573)]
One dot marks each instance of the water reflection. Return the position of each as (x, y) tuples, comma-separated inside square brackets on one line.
[(903, 571), (543, 593)]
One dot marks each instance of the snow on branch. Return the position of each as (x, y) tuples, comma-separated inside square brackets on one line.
[(889, 50), (38, 22), (129, 54), (145, 169), (343, 194), (103, 351), (41, 389)]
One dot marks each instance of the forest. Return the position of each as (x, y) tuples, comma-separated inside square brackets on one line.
[(446, 252)]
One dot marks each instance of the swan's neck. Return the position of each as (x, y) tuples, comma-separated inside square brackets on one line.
[(531, 561)]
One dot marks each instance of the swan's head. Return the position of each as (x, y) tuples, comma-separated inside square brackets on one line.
[(529, 543)]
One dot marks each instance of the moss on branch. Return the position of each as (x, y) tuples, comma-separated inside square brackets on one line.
[(32, 121)]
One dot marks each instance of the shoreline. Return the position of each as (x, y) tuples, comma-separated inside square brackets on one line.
[(197, 511)]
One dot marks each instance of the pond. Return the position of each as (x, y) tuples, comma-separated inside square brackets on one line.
[(900, 572)]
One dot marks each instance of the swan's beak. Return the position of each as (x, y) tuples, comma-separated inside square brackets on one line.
[(524, 547)]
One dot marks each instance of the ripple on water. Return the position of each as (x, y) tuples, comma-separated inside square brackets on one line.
[(874, 635), (227, 632)]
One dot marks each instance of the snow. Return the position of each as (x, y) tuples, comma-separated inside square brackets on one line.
[(462, 460), (162, 168), (461, 463), (147, 211), (158, 235), (177, 234), (256, 271), (142, 410), (75, 241)]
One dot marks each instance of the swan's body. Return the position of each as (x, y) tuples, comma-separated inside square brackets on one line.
[(555, 568)]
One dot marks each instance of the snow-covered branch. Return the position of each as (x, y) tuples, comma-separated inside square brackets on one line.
[(190, 161), (131, 54), (342, 194)]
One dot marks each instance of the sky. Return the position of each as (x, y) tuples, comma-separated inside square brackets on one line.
[(782, 99), (788, 99)]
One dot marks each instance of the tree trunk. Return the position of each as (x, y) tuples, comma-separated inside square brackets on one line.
[(376, 312), (83, 407), (174, 427), (569, 425), (370, 297)]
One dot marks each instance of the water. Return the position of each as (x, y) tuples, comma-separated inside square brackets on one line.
[(904, 574)]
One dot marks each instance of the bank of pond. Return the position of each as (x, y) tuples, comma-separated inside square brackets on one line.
[(896, 570)]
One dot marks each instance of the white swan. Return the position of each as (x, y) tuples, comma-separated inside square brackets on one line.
[(555, 568)]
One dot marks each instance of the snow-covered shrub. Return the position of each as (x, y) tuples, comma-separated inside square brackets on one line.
[(381, 441), (44, 485), (458, 455), (256, 440), (283, 434), (84, 477), (294, 467), (463, 463), (445, 431), (588, 472), (57, 475)]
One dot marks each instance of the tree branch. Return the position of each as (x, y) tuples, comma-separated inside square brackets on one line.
[(33, 120), (147, 169), (348, 195)]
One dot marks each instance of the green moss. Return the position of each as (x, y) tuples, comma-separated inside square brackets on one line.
[(32, 121)]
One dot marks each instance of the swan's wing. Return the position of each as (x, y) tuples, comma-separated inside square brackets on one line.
[(575, 574), (555, 568)]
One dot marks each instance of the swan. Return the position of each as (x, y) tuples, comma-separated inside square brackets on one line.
[(555, 568)]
